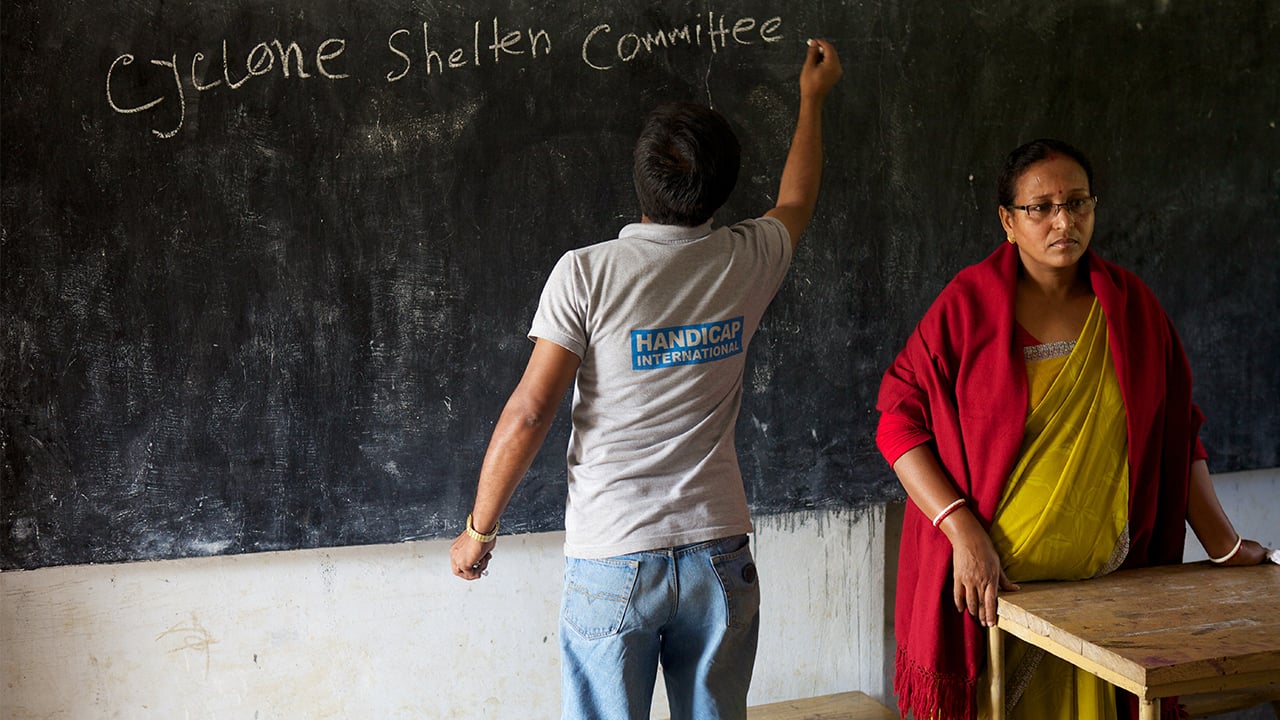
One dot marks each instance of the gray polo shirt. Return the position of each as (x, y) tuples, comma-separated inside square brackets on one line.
[(661, 318)]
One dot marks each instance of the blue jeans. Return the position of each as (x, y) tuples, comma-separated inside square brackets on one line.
[(694, 608)]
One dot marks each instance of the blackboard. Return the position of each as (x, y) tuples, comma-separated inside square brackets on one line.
[(268, 266)]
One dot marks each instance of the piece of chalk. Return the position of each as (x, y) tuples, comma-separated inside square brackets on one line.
[(1274, 556)]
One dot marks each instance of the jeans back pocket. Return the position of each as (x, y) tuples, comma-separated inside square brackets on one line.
[(737, 573), (596, 595)]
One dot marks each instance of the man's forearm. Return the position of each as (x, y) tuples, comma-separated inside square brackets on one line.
[(516, 440), (802, 174), (521, 429)]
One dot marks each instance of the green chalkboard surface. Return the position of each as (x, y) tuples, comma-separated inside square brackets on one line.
[(266, 268)]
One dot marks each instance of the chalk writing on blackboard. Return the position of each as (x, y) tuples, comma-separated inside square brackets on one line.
[(630, 45), (132, 90), (261, 60)]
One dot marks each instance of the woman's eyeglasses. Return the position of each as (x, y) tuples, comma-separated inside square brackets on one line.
[(1079, 208)]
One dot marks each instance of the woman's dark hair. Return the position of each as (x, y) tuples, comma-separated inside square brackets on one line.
[(686, 164), (1033, 152)]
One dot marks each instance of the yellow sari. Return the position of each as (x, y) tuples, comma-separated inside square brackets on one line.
[(1064, 512)]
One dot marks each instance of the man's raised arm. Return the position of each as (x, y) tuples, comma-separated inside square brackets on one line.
[(802, 175)]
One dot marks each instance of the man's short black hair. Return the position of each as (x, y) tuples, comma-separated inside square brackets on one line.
[(686, 164)]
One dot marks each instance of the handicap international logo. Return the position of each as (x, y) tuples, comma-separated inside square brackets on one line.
[(685, 345)]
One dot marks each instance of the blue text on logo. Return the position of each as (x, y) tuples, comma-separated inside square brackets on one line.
[(685, 344)]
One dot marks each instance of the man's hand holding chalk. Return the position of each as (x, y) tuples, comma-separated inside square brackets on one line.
[(821, 69)]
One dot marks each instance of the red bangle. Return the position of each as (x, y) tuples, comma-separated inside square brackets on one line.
[(942, 515)]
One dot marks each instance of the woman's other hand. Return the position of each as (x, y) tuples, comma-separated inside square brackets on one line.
[(1250, 553), (1212, 526), (977, 574)]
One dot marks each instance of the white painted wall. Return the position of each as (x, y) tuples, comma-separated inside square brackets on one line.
[(386, 631)]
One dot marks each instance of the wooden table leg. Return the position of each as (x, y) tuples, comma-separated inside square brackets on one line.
[(1149, 709), (995, 668)]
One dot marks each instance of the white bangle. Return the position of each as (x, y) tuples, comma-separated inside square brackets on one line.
[(1231, 554), (944, 512)]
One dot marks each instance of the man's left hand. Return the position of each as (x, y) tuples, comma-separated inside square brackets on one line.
[(469, 557)]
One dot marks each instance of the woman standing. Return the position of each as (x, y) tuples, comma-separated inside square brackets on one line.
[(1041, 422)]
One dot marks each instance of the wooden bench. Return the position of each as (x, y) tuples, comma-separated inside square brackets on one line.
[(841, 706)]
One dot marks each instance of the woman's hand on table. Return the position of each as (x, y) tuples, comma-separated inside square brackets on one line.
[(977, 574), (1250, 553)]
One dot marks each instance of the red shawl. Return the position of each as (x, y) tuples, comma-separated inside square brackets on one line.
[(960, 384)]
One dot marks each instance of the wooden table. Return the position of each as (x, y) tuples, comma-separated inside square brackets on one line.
[(1156, 632)]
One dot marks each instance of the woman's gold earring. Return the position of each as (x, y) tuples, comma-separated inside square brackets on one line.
[(1011, 240)]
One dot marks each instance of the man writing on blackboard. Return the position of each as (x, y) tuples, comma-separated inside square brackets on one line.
[(652, 330)]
